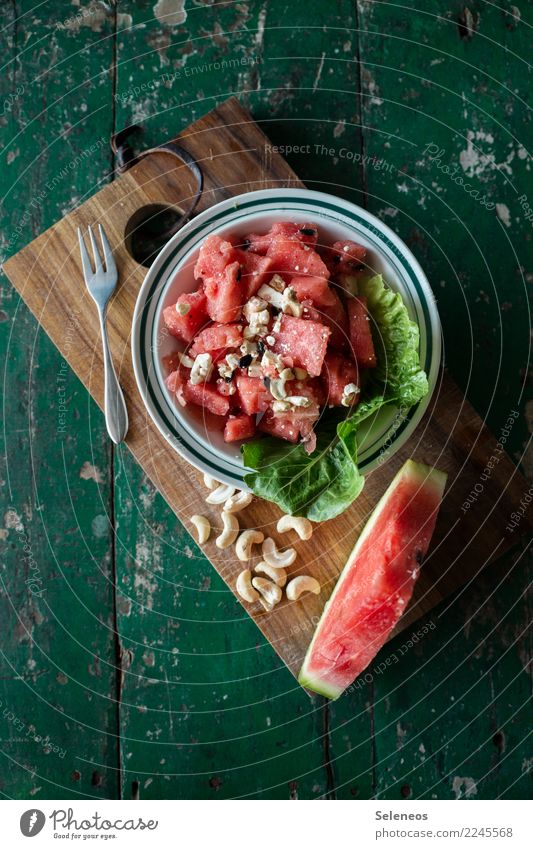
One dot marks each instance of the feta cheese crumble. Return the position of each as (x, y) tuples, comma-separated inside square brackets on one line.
[(202, 368)]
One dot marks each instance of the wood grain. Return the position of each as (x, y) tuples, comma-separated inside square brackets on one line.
[(234, 157)]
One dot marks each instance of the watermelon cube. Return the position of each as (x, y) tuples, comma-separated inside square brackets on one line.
[(225, 294), (216, 338), (302, 343), (193, 305), (361, 333), (338, 371), (307, 234), (291, 426), (315, 289), (253, 395), (333, 316), (290, 258), (297, 423), (280, 425), (345, 257), (305, 418), (312, 388), (255, 270), (206, 395), (239, 428), (215, 254), (258, 243)]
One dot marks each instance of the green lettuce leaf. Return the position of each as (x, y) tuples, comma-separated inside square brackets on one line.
[(319, 485), (396, 340)]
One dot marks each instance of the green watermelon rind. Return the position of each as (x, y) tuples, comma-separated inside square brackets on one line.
[(420, 475)]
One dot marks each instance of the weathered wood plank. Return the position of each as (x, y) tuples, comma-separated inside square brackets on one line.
[(58, 715)]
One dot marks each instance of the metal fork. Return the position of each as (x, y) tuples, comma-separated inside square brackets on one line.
[(101, 284)]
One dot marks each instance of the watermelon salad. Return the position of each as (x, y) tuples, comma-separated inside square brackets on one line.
[(286, 345)]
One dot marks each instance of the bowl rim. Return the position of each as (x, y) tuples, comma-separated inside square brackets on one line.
[(379, 229)]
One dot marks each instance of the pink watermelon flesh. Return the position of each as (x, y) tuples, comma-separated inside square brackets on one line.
[(238, 428), (305, 233), (338, 371), (215, 254), (185, 327), (361, 333), (215, 338), (376, 583), (315, 289), (225, 297), (290, 258), (302, 343), (333, 316), (206, 395), (252, 394), (344, 257), (282, 426), (255, 270)]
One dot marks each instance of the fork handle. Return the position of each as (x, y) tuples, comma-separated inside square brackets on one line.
[(116, 414)]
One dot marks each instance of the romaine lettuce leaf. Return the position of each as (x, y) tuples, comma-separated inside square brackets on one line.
[(396, 341), (319, 485)]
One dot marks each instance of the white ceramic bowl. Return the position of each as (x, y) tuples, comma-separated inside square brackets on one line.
[(255, 212)]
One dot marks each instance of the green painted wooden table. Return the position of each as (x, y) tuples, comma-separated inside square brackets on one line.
[(127, 668)]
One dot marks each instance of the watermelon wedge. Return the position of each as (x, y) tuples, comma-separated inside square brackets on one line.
[(376, 583)]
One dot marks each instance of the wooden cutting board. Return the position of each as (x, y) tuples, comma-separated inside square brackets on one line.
[(234, 158)]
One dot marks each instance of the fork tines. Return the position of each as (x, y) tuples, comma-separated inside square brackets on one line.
[(110, 267)]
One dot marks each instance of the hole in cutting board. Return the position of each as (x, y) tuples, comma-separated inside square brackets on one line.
[(149, 229)]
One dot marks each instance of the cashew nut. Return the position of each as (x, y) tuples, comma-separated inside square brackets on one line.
[(271, 593), (210, 482), (238, 501), (230, 530), (302, 526), (203, 527), (244, 587), (300, 585), (247, 539), (220, 494), (277, 559), (279, 576)]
